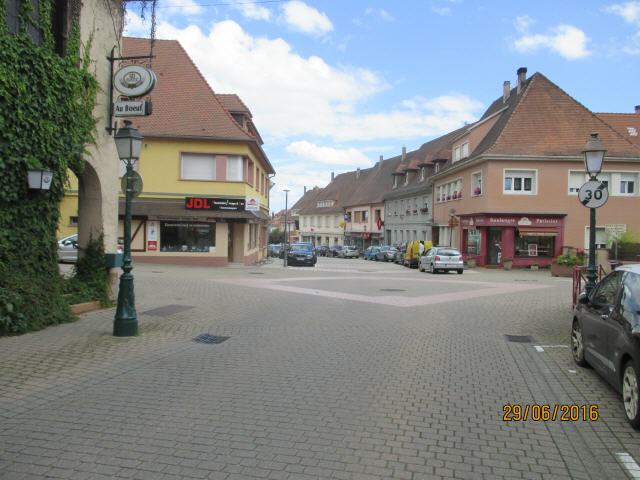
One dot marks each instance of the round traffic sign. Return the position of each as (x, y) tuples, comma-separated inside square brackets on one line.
[(593, 194), (136, 183)]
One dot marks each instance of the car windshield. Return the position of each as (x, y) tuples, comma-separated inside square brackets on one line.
[(301, 248), (448, 252)]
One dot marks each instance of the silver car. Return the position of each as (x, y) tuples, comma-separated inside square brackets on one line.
[(349, 251), (68, 249), (442, 259)]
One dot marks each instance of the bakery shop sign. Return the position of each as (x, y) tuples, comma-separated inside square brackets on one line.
[(210, 203)]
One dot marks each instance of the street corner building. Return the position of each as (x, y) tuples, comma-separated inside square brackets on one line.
[(206, 178), (509, 189)]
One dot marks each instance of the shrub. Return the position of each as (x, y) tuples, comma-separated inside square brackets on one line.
[(569, 260), (90, 281)]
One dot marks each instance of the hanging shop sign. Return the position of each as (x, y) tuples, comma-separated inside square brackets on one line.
[(209, 203), (510, 221), (134, 81), (252, 204), (132, 109)]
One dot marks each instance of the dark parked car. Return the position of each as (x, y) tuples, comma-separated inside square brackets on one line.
[(335, 251), (606, 334), (386, 254), (370, 253), (322, 250), (301, 254)]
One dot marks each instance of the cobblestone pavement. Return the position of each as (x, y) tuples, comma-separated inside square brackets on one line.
[(318, 379)]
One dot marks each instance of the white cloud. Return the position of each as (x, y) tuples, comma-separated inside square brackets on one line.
[(523, 22), (306, 19), (380, 13), (351, 157), (135, 26), (444, 11), (253, 11), (629, 11), (566, 40)]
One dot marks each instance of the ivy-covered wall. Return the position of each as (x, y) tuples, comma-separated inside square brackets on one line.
[(46, 103)]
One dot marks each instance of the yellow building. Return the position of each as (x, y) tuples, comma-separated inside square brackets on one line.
[(205, 199)]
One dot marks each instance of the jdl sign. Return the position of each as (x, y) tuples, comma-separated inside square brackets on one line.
[(206, 203)]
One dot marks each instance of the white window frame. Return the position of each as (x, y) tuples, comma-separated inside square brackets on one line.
[(238, 159), (473, 187), (422, 169), (584, 174), (618, 190), (210, 156), (436, 167), (464, 150), (534, 181), (406, 178)]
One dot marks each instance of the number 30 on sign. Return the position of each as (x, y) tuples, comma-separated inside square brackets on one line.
[(593, 194)]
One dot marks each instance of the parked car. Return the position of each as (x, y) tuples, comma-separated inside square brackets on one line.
[(605, 334), (68, 249), (301, 254), (412, 254), (322, 250), (443, 259), (274, 249), (386, 254), (349, 251), (334, 251), (399, 256), (370, 253)]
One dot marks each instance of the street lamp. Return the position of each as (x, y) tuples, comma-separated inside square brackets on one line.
[(286, 223), (593, 152), (128, 142)]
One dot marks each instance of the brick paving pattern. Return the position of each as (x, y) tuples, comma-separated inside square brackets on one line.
[(309, 386)]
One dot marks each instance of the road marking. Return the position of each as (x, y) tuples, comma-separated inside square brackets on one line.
[(572, 371), (630, 464), (538, 348)]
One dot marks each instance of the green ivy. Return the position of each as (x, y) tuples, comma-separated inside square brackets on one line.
[(46, 104), (90, 280)]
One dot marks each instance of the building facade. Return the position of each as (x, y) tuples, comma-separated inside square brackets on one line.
[(509, 189)]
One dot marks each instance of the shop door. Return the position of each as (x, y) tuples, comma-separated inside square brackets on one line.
[(230, 242), (494, 246)]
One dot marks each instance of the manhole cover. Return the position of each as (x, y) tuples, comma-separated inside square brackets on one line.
[(209, 339), (167, 310), (256, 273), (518, 338), (392, 290)]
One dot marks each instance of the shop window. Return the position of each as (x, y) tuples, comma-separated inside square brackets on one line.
[(534, 246), (520, 182), (234, 169), (473, 242), (197, 167), (187, 237)]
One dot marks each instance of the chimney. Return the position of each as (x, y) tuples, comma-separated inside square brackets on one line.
[(305, 189), (638, 109), (358, 173), (522, 76), (404, 153), (333, 176), (380, 162), (506, 91)]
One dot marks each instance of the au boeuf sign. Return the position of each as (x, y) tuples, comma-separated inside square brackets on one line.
[(208, 203)]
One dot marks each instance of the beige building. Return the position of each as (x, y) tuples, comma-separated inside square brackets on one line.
[(509, 189)]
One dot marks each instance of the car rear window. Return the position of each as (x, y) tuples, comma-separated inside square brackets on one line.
[(301, 248), (449, 252)]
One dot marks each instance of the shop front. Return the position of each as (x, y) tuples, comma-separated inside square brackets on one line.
[(197, 231), (525, 239), (363, 240)]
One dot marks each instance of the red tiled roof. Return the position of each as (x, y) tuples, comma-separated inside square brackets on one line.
[(548, 121), (627, 124)]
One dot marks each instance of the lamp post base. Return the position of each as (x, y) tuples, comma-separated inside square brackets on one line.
[(126, 320)]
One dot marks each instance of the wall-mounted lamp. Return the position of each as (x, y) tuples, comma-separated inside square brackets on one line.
[(40, 179)]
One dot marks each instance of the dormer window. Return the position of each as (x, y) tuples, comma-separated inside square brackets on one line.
[(436, 167), (395, 181), (461, 151), (325, 203), (239, 118), (422, 174), (406, 178)]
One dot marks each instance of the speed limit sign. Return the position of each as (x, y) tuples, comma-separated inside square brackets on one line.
[(593, 194)]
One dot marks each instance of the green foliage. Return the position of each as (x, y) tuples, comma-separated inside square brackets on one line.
[(569, 260), (627, 238), (90, 281), (46, 104), (276, 236)]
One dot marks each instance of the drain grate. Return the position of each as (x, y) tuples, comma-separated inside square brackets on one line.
[(518, 338), (392, 290), (209, 339), (167, 310)]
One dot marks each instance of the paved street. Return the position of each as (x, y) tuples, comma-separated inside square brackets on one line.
[(350, 370)]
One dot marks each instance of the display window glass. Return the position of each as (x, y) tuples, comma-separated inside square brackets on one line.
[(535, 246), (187, 236), (473, 242)]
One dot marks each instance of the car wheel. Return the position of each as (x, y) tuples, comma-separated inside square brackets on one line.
[(460, 272), (432, 269), (420, 269), (630, 395), (577, 344)]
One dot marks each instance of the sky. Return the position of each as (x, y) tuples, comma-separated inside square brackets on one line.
[(334, 84)]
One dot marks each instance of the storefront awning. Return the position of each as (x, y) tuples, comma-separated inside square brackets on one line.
[(170, 209), (537, 232)]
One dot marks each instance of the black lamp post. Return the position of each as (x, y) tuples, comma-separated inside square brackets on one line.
[(593, 152), (128, 142), (286, 224)]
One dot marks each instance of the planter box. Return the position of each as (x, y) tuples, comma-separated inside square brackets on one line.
[(561, 270), (471, 262), (79, 308)]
